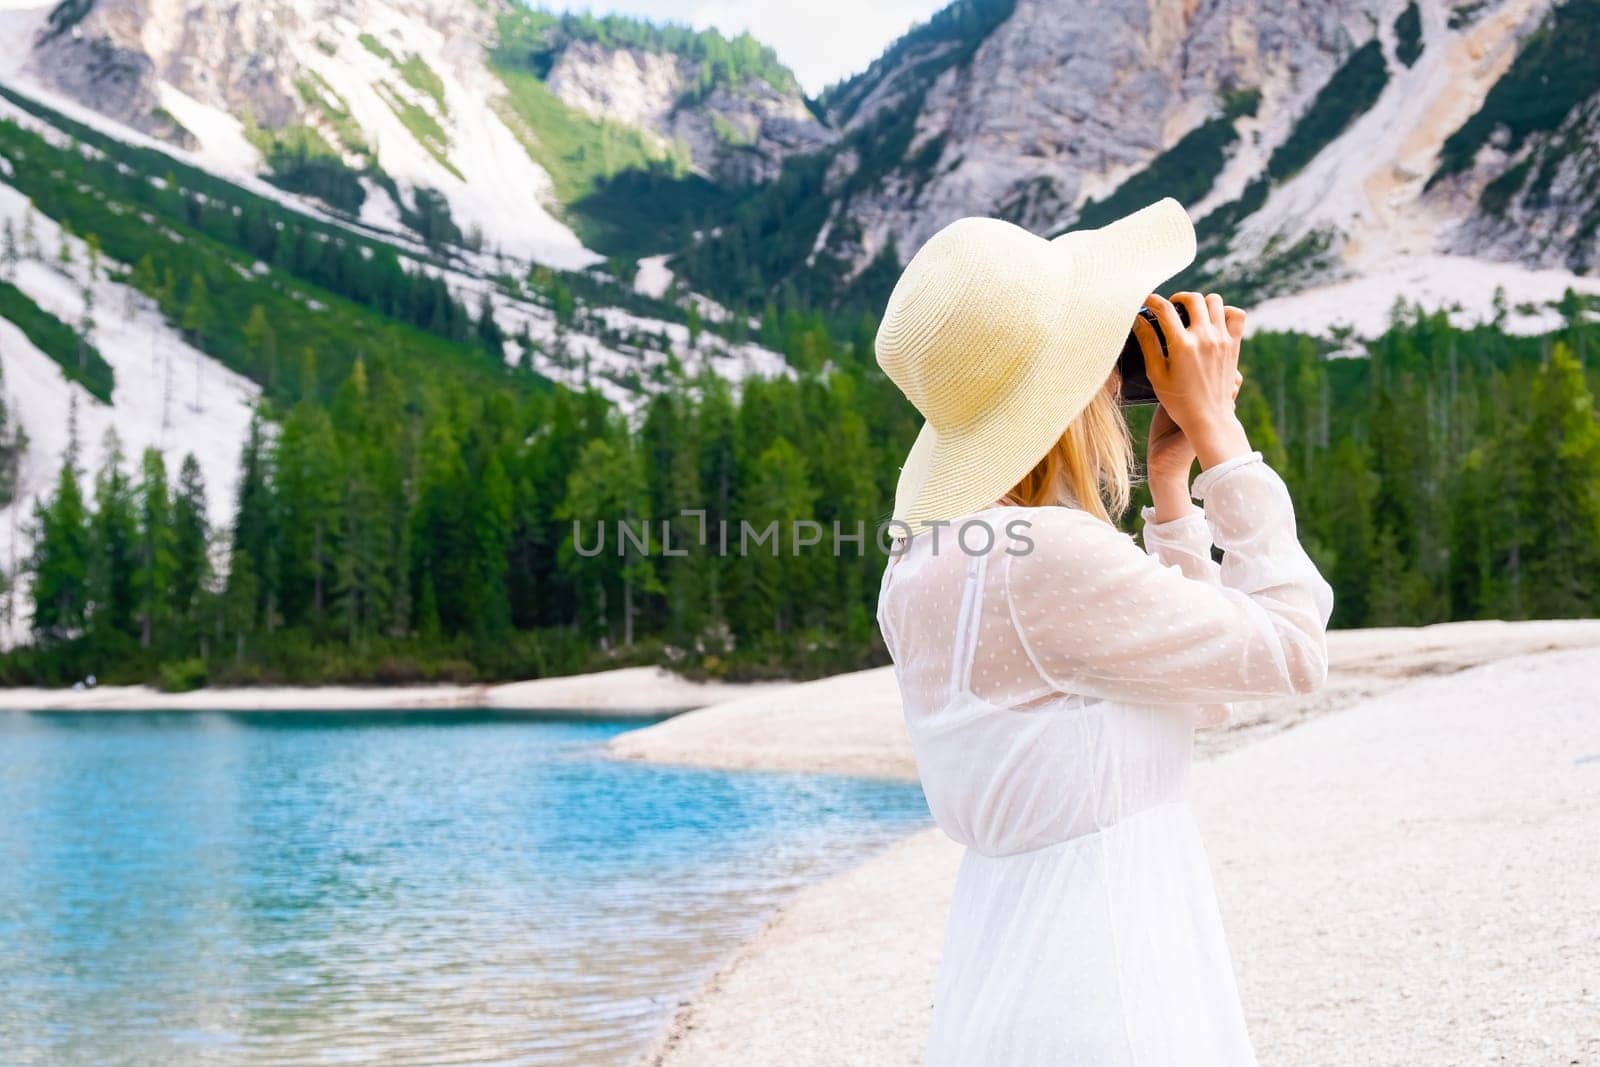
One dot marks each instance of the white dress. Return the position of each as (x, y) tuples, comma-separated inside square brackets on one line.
[(1052, 696)]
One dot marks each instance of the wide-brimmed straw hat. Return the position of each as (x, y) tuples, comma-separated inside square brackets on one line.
[(1000, 338)]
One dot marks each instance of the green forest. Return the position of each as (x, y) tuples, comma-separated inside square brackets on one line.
[(396, 530), (411, 488)]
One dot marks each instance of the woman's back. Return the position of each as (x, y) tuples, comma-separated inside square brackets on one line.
[(1051, 686), (1008, 763)]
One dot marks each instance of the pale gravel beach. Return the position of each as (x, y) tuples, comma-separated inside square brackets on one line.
[(629, 691), (1408, 875), (852, 723)]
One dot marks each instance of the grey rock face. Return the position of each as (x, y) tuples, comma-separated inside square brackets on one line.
[(235, 55), (1064, 100), (113, 53), (115, 81), (738, 135), (1540, 206)]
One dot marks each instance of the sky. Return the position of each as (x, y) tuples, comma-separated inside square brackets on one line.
[(822, 41)]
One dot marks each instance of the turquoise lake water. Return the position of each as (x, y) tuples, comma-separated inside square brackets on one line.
[(408, 888)]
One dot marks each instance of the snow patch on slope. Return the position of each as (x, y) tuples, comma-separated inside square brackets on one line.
[(168, 395), (623, 372), (1463, 286), (222, 141), (654, 277), (498, 188)]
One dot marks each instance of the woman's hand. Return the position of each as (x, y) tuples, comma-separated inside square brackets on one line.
[(1197, 382), (1168, 459), (1169, 454)]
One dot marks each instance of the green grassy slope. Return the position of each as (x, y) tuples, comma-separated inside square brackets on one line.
[(79, 360)]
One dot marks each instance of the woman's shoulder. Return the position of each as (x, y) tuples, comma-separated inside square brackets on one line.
[(1053, 534), (1059, 520), (1057, 537)]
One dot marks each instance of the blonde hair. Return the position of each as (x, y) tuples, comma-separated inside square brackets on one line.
[(1090, 466)]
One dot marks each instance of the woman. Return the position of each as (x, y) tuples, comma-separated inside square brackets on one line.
[(1052, 672)]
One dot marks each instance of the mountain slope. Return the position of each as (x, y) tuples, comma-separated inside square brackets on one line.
[(364, 106), (208, 295), (1302, 137), (486, 123), (1530, 156)]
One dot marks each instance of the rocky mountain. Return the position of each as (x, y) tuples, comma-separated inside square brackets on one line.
[(1317, 144), (433, 117), (1354, 151), (738, 134), (219, 211), (1528, 161)]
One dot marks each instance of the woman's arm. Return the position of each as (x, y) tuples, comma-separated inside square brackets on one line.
[(1098, 616), (1183, 543)]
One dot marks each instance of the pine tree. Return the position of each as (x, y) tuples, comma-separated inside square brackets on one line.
[(1561, 494), (262, 342), (1351, 534), (92, 243), (9, 256), (692, 318), (114, 541), (308, 484), (565, 305), (30, 234), (605, 488), (157, 562), (489, 332), (191, 538), (1403, 458), (526, 349), (441, 533), (167, 294), (776, 580), (362, 589), (848, 496), (307, 374), (143, 280), (60, 560), (196, 322), (242, 599), (11, 482), (255, 531), (428, 625), (1477, 540), (1389, 595), (85, 330), (491, 538)]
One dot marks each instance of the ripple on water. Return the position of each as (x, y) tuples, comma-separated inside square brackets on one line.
[(404, 889)]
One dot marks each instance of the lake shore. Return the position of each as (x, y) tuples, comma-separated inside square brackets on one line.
[(1403, 860), (852, 723), (643, 692)]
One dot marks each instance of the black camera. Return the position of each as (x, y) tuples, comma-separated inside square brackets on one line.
[(1136, 388)]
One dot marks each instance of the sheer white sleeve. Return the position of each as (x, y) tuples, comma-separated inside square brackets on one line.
[(1186, 544), (1098, 616), (1182, 543)]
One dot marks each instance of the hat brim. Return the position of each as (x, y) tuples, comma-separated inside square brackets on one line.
[(1105, 276)]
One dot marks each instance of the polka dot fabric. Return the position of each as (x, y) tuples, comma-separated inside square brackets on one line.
[(1052, 682)]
